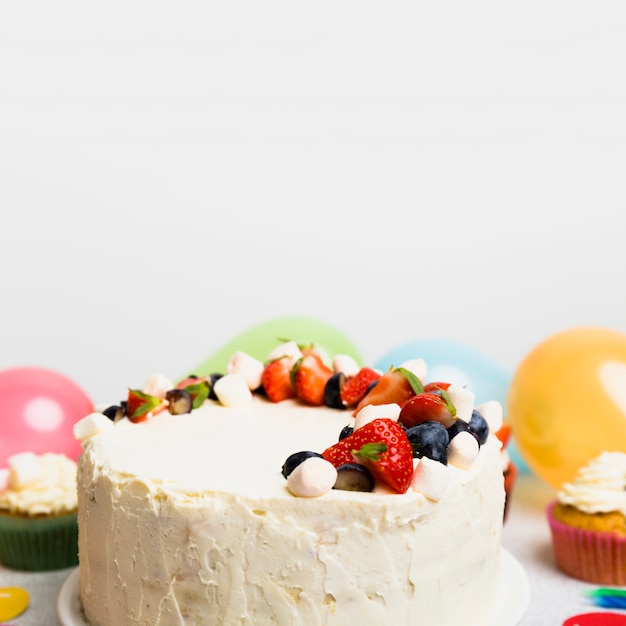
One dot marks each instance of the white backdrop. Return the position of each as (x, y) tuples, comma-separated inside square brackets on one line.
[(171, 175)]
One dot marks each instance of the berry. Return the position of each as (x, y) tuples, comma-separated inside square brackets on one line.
[(358, 385), (396, 385), (382, 446), (276, 380), (332, 391), (295, 459), (427, 406), (458, 427), (354, 477), (310, 375), (180, 401), (504, 434), (429, 432), (429, 439), (346, 431), (213, 378), (478, 427), (114, 412), (199, 389), (140, 406)]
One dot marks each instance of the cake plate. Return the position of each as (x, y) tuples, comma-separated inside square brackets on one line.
[(511, 601)]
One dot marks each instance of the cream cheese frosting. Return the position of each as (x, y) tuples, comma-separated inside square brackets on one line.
[(599, 486), (40, 485), (187, 519)]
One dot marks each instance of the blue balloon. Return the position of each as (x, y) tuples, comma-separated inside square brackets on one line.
[(455, 362)]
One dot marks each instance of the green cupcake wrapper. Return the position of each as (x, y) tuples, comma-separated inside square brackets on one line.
[(38, 543)]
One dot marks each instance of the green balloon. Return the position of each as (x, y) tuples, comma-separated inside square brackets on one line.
[(260, 340)]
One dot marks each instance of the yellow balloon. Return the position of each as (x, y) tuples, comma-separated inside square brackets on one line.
[(567, 401)]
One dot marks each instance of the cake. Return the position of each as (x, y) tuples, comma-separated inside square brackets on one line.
[(225, 507), (588, 522), (38, 522)]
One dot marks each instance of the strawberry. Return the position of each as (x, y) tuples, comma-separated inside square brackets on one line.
[(504, 434), (426, 407), (396, 385), (382, 446), (436, 386), (356, 386), (198, 389), (276, 380), (141, 406), (309, 376)]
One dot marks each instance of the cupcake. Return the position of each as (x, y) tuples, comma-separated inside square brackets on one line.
[(38, 525), (588, 522)]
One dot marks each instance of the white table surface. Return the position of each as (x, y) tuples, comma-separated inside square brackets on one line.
[(554, 596)]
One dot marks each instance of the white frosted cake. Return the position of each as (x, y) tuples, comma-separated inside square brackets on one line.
[(196, 518)]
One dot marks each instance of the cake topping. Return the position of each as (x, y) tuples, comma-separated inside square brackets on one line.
[(382, 446), (354, 477), (397, 416), (599, 487), (247, 366), (310, 374), (312, 478), (463, 450), (40, 484), (430, 478), (232, 390)]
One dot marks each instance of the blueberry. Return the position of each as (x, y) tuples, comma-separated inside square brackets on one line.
[(434, 451), (456, 428), (114, 412), (346, 431), (332, 391), (213, 378), (354, 477), (295, 459), (429, 439), (180, 401), (478, 427)]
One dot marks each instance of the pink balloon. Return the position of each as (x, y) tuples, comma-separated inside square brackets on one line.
[(38, 410)]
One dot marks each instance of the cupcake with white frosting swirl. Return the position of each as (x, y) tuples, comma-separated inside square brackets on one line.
[(588, 522)]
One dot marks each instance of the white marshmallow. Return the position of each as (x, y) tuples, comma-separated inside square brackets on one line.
[(4, 479), (232, 390), (463, 450), (371, 412), (463, 400), (288, 349), (312, 478), (493, 414), (430, 478), (92, 424), (417, 367), (249, 367), (346, 364), (157, 385)]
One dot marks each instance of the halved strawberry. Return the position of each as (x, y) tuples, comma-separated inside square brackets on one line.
[(356, 386), (396, 385), (140, 406), (198, 388), (426, 407), (382, 446), (436, 386), (309, 376), (276, 380)]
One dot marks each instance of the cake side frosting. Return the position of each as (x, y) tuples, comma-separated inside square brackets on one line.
[(174, 499)]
